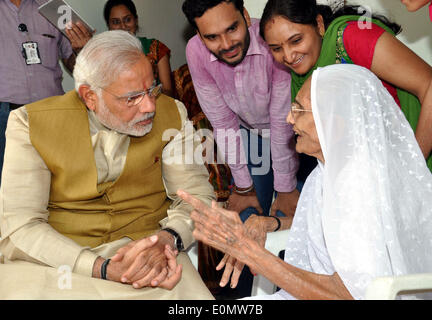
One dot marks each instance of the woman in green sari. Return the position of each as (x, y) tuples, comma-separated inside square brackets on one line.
[(122, 15), (304, 36)]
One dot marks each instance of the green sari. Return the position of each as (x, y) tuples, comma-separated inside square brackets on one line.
[(332, 48)]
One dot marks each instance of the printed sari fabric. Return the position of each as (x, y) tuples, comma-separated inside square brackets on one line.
[(220, 174), (155, 51)]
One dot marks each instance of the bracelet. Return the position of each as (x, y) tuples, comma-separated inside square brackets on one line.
[(178, 242), (278, 221), (104, 269), (236, 190)]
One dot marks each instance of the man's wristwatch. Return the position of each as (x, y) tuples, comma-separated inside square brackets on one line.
[(177, 239)]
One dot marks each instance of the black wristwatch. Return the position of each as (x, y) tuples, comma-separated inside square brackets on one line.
[(177, 239)]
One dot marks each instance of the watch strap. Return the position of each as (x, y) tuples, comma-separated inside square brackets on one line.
[(177, 239)]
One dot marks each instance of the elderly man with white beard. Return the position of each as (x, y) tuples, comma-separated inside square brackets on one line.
[(86, 195)]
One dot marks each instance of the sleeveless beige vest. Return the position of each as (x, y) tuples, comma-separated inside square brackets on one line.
[(79, 208)]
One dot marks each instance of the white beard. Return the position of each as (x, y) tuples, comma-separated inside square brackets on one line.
[(109, 120)]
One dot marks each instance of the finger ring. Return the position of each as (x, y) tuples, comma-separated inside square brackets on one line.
[(230, 240)]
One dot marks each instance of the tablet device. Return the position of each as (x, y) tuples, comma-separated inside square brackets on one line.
[(61, 15)]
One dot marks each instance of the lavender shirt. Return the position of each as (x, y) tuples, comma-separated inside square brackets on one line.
[(21, 83), (256, 94)]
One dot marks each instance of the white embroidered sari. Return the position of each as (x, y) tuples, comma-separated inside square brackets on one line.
[(366, 212)]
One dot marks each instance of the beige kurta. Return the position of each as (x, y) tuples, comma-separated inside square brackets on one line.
[(36, 256)]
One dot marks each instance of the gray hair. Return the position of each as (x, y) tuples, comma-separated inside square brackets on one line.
[(104, 57)]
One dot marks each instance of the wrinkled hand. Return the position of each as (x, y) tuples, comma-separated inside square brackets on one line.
[(256, 228), (285, 202), (78, 36), (233, 269), (147, 265), (238, 203), (220, 228)]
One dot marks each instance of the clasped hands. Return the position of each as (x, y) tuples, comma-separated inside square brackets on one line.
[(142, 263)]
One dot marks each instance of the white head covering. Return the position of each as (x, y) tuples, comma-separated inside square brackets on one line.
[(366, 212), (377, 190)]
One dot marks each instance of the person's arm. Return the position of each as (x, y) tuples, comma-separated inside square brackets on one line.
[(394, 63), (150, 261), (223, 230), (147, 264), (284, 155), (256, 228), (179, 171), (221, 117), (164, 70), (78, 36), (66, 53), (26, 233), (398, 65), (226, 126), (299, 283)]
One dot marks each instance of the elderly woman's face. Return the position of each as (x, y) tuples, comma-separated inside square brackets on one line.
[(301, 118), (122, 19)]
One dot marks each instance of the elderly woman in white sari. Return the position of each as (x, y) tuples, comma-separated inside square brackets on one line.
[(364, 212)]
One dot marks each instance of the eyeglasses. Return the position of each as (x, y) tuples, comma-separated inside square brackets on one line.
[(296, 108), (126, 20), (153, 92)]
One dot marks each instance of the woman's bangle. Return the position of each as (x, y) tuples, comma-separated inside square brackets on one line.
[(104, 269), (243, 191), (278, 222)]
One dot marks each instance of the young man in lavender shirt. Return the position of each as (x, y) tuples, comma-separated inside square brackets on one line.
[(30, 48), (241, 89)]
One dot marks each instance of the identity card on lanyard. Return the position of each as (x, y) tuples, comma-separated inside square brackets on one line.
[(30, 49), (31, 53)]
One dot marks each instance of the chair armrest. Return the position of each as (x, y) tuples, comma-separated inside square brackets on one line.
[(387, 288), (275, 243), (192, 252)]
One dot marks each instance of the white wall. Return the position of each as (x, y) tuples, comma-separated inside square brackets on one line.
[(417, 27), (165, 21), (160, 19), (256, 7)]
